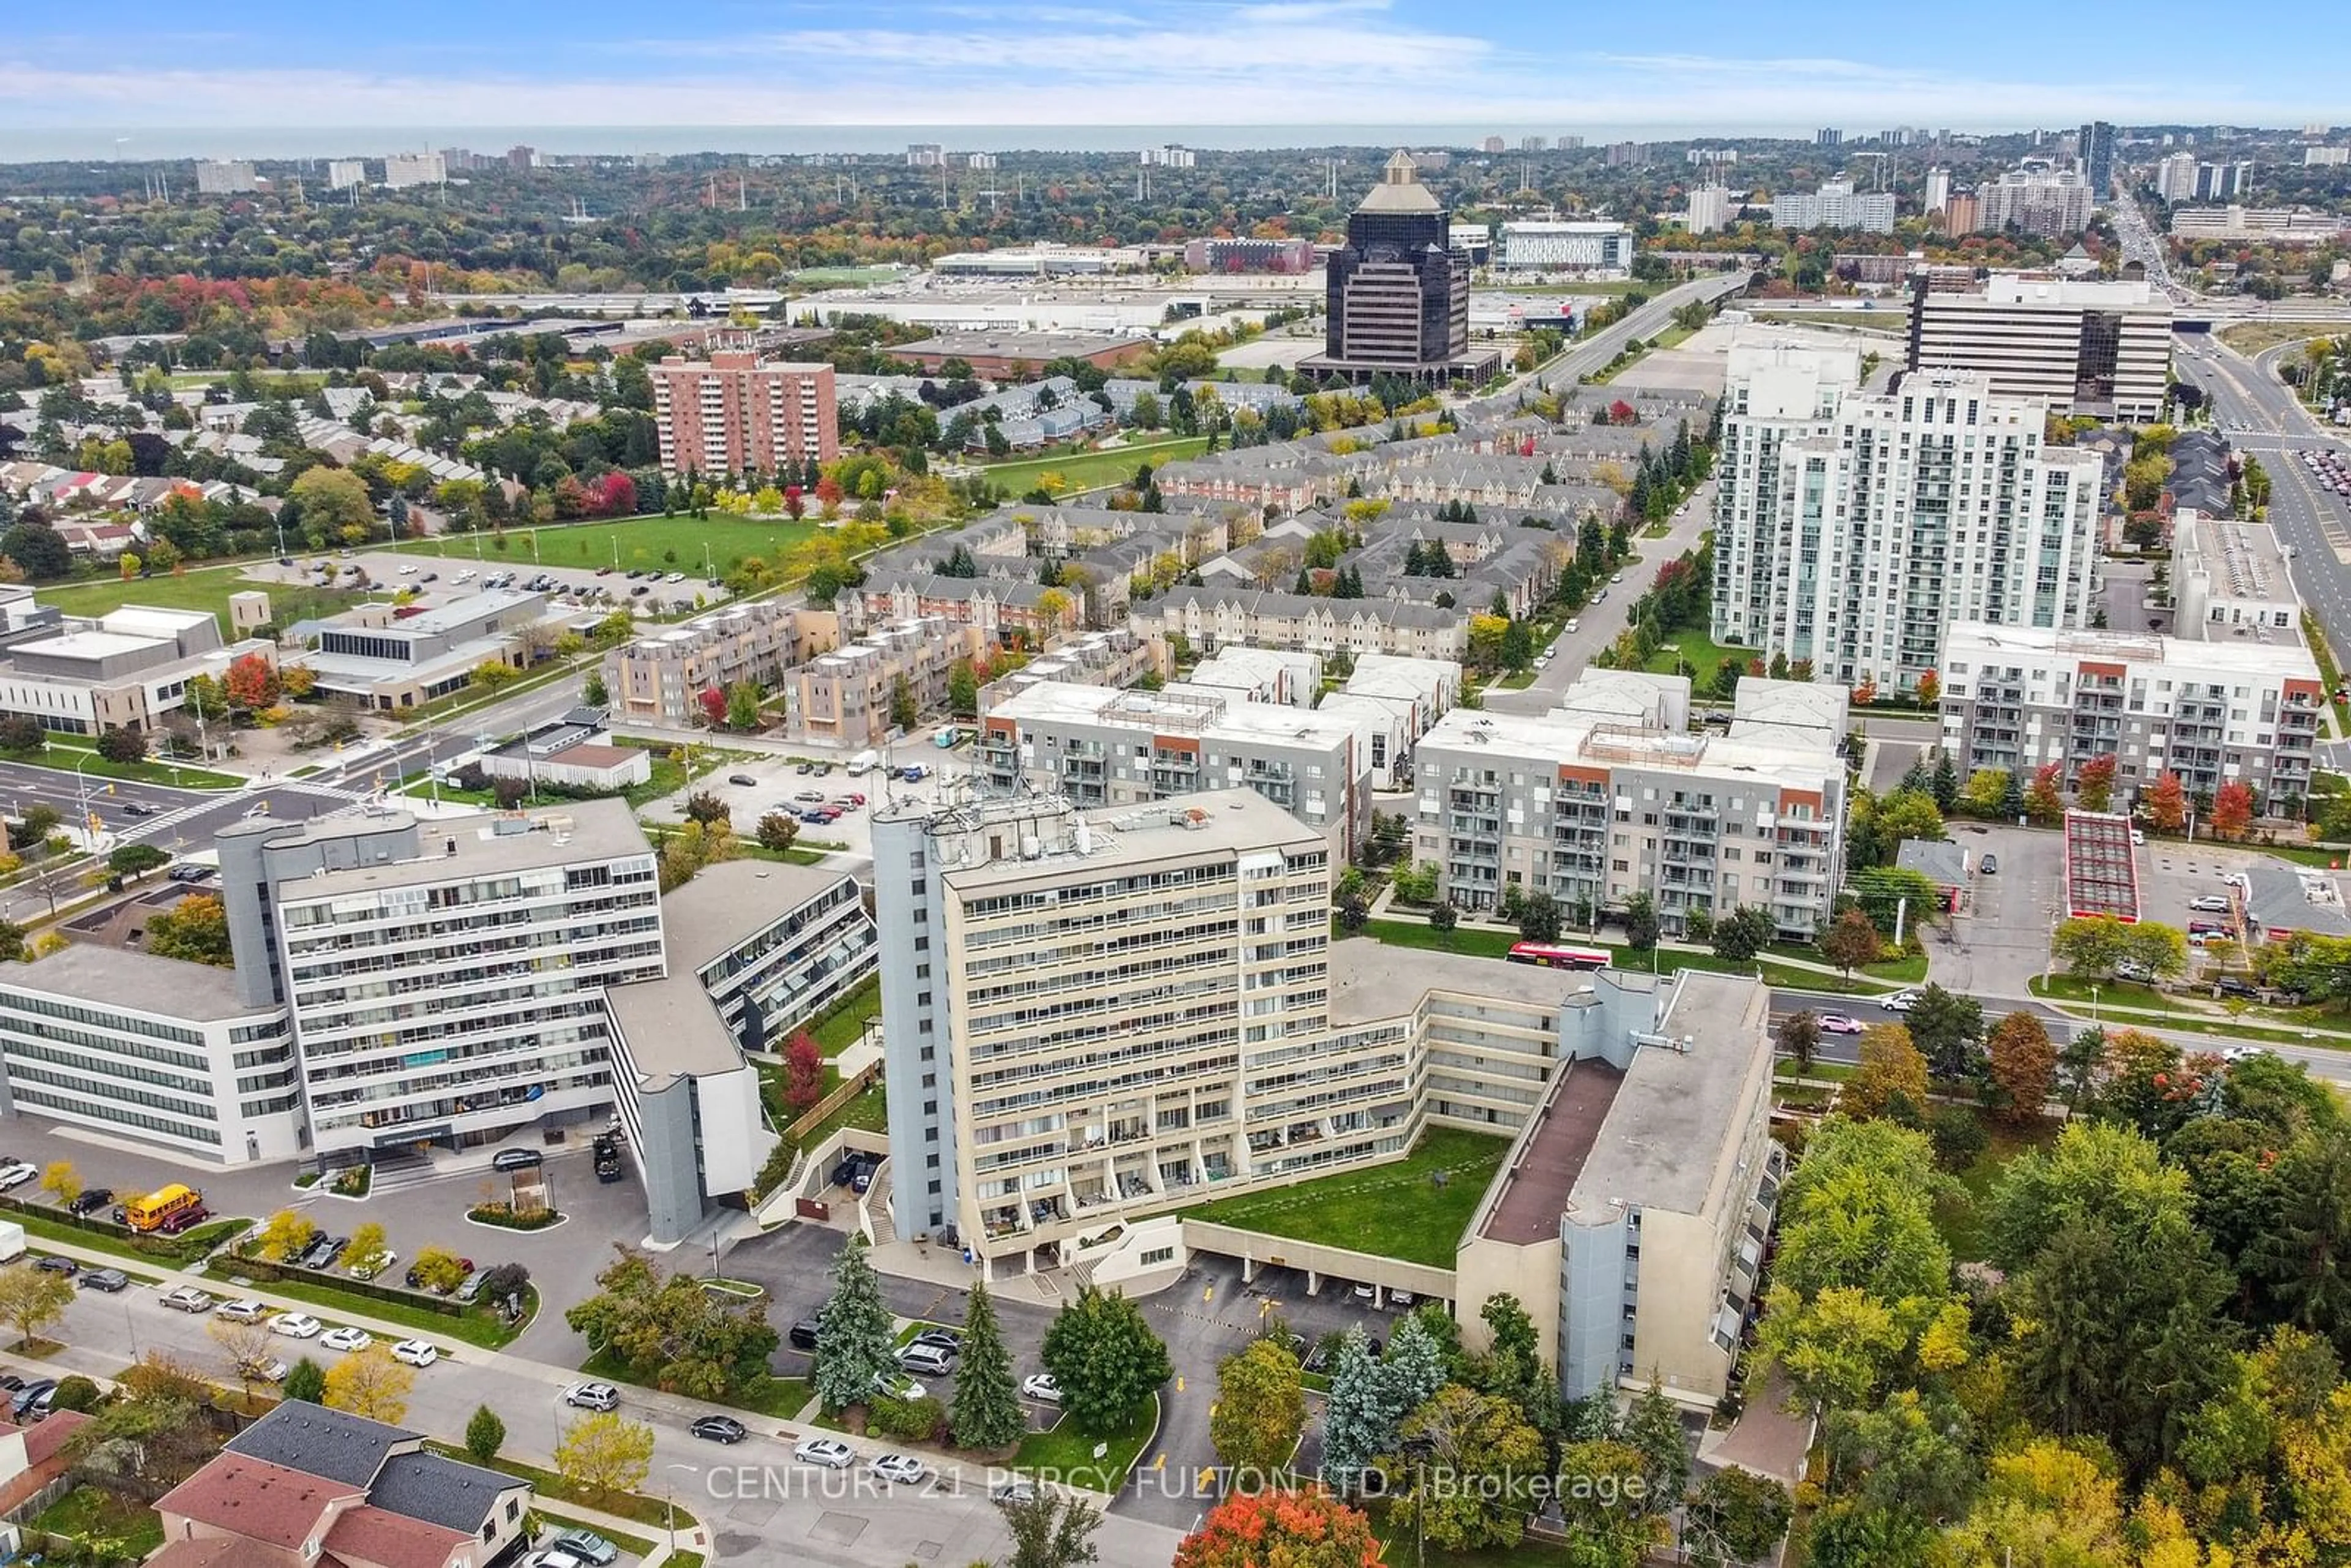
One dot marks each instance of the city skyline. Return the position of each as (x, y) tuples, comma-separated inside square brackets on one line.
[(1278, 63)]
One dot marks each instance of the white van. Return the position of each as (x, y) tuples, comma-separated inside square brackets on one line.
[(864, 762)]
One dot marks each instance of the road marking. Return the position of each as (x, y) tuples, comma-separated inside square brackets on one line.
[(1161, 1462), (1209, 1294), (1179, 1385)]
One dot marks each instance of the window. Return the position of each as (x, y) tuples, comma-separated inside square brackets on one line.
[(1157, 1254)]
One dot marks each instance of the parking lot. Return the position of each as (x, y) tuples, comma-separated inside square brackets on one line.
[(671, 591), (753, 788)]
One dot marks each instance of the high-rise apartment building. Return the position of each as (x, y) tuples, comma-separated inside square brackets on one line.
[(1612, 796), (342, 173), (1835, 205), (1937, 195), (1533, 143), (2175, 178), (924, 155), (1710, 208), (224, 177), (2036, 200), (1850, 529), (2223, 181), (1828, 137), (737, 414), (1397, 295), (1493, 144), (2326, 157), (2093, 153), (2088, 347), (1621, 153), (402, 170)]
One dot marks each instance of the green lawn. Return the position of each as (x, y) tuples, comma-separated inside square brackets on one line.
[(1395, 1210), (1703, 652), (477, 1325), (114, 1528), (1487, 942), (671, 544), (839, 1028), (152, 1250), (625, 1505), (1067, 1455), (73, 753), (206, 588), (1092, 470)]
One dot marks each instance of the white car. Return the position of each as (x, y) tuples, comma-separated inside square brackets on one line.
[(368, 1268), (18, 1174), (1839, 1023), (2243, 1052), (1901, 1001), (296, 1325), (1042, 1388), (898, 1386), (898, 1468), (415, 1353), (2209, 904), (1571, 624), (592, 1396), (347, 1339), (244, 1310), (829, 1452)]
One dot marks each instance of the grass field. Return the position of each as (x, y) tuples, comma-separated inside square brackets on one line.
[(1487, 942), (207, 588), (1699, 649), (1067, 1455), (115, 1529), (671, 544), (1960, 1215), (1396, 1211), (2252, 336), (67, 753), (1093, 470)]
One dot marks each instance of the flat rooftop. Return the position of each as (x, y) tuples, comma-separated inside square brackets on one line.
[(2193, 656), (673, 1030), (1216, 822), (135, 982), (1038, 346), (726, 903), (91, 645), (1551, 1161), (1658, 1146), (1550, 739), (1371, 980), (463, 848)]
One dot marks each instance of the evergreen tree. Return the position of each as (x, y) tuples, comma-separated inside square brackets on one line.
[(855, 1340), (1304, 584), (1655, 1427), (1468, 513), (1369, 1399), (2012, 799), (306, 1382), (1945, 786), (986, 1413)]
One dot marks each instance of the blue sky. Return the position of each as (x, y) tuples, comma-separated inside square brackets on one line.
[(1978, 65)]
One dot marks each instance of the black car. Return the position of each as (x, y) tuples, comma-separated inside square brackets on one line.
[(189, 872), (949, 1341), (65, 1266), (2230, 986), (91, 1202), (515, 1160), (110, 1281), (720, 1430), (31, 1392), (742, 780), (140, 809), (804, 1334)]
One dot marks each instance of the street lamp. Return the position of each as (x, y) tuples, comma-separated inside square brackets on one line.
[(669, 1495), (81, 789)]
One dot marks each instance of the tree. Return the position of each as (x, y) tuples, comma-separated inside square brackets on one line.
[(62, 1183), (855, 1338), (2089, 944), (1259, 1411), (1443, 918), (670, 1332), (31, 1300), (1640, 922), (1050, 1527), (40, 551), (2166, 804), (1909, 814), (1105, 1358), (493, 674), (1948, 1029), (1735, 1517), (1370, 1397), (248, 1346), (1743, 932), (2302, 1255), (21, 735), (605, 1454), (707, 808), (1470, 1482), (1986, 789), (367, 1243), (2094, 786), (594, 693), (135, 860), (122, 745), (903, 712), (251, 683), (2044, 803), (284, 1234), (306, 1380), (2023, 1066), (2232, 809), (333, 499), (963, 689), (369, 1383), (1892, 1075), (743, 705), (485, 1435), (1539, 917), (1309, 1529), (1800, 1037), (439, 1270), (986, 1413), (1943, 783), (1851, 942), (777, 831), (803, 1073)]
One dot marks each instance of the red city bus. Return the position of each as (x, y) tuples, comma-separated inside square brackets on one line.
[(1551, 955)]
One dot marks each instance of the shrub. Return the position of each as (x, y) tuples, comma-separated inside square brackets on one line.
[(1958, 1134), (907, 1420), (504, 1213)]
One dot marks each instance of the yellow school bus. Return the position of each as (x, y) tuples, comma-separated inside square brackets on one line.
[(158, 1209)]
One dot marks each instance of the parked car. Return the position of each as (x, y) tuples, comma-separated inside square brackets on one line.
[(244, 1310), (928, 1360), (470, 1286), (587, 1546), (368, 1268), (296, 1325), (1839, 1023), (1042, 1388), (592, 1396), (39, 1389), (898, 1468), (65, 1266), (2230, 986), (189, 872), (2209, 904), (347, 1338), (91, 1202), (947, 1340), (804, 1334), (720, 1430), (17, 1175), (113, 1282), (188, 1298), (829, 1452), (265, 1369), (743, 781), (415, 1353), (515, 1160), (1990, 865), (898, 1386)]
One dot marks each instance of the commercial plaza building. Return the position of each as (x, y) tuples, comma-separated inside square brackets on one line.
[(1544, 245), (1397, 294), (735, 413), (1851, 528), (2088, 347)]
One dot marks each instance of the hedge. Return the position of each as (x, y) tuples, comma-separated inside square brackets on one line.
[(262, 1268)]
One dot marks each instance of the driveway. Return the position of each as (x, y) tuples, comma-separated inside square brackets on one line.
[(2001, 937)]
